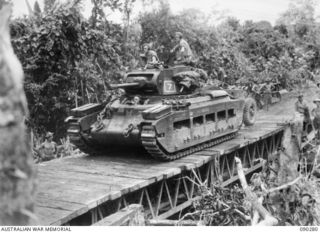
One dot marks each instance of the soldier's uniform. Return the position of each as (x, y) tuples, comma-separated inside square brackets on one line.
[(257, 95), (300, 107), (267, 94), (48, 149), (149, 57), (183, 53), (152, 57), (301, 113)]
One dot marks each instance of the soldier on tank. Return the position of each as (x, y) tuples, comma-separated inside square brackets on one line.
[(182, 50), (149, 57), (136, 100)]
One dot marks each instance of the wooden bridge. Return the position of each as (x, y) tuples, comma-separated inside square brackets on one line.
[(84, 190)]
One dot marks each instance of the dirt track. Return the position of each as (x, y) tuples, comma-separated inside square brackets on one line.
[(285, 108)]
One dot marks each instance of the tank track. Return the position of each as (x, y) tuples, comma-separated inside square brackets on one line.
[(151, 145), (83, 146), (78, 140), (156, 151)]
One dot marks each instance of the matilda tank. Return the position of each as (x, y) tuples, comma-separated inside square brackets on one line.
[(165, 111)]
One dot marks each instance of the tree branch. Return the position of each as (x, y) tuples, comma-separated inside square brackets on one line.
[(284, 186), (268, 219)]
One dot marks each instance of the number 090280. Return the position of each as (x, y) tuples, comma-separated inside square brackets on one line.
[(308, 229)]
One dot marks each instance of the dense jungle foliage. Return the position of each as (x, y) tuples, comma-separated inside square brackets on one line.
[(69, 60)]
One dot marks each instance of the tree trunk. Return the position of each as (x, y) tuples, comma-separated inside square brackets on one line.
[(267, 218), (289, 157), (16, 165)]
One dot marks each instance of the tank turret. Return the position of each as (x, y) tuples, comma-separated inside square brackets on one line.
[(163, 82)]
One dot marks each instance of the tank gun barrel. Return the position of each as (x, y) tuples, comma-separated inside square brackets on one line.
[(122, 85)]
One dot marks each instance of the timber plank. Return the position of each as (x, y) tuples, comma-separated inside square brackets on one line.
[(189, 159), (90, 198), (124, 159), (226, 150), (108, 171), (253, 135), (74, 193), (142, 172), (97, 179), (111, 196), (77, 189), (168, 165), (206, 152), (51, 216), (241, 141), (129, 173), (182, 165), (156, 171), (213, 151), (74, 209), (127, 216), (73, 190), (104, 161), (58, 204), (195, 160), (88, 178), (273, 118), (125, 164), (262, 133), (199, 160), (108, 183), (230, 146)]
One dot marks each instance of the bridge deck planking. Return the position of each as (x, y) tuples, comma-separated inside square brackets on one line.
[(77, 185), (63, 208), (70, 187), (86, 184), (260, 131), (53, 216), (115, 170)]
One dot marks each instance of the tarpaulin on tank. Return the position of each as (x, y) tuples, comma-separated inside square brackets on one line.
[(191, 79)]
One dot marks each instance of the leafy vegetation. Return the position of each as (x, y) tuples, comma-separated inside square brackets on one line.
[(288, 203), (66, 61), (69, 60)]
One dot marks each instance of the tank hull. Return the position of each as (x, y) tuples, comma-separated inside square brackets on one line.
[(117, 131), (174, 128)]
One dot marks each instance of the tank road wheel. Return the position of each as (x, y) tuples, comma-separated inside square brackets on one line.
[(249, 111)]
